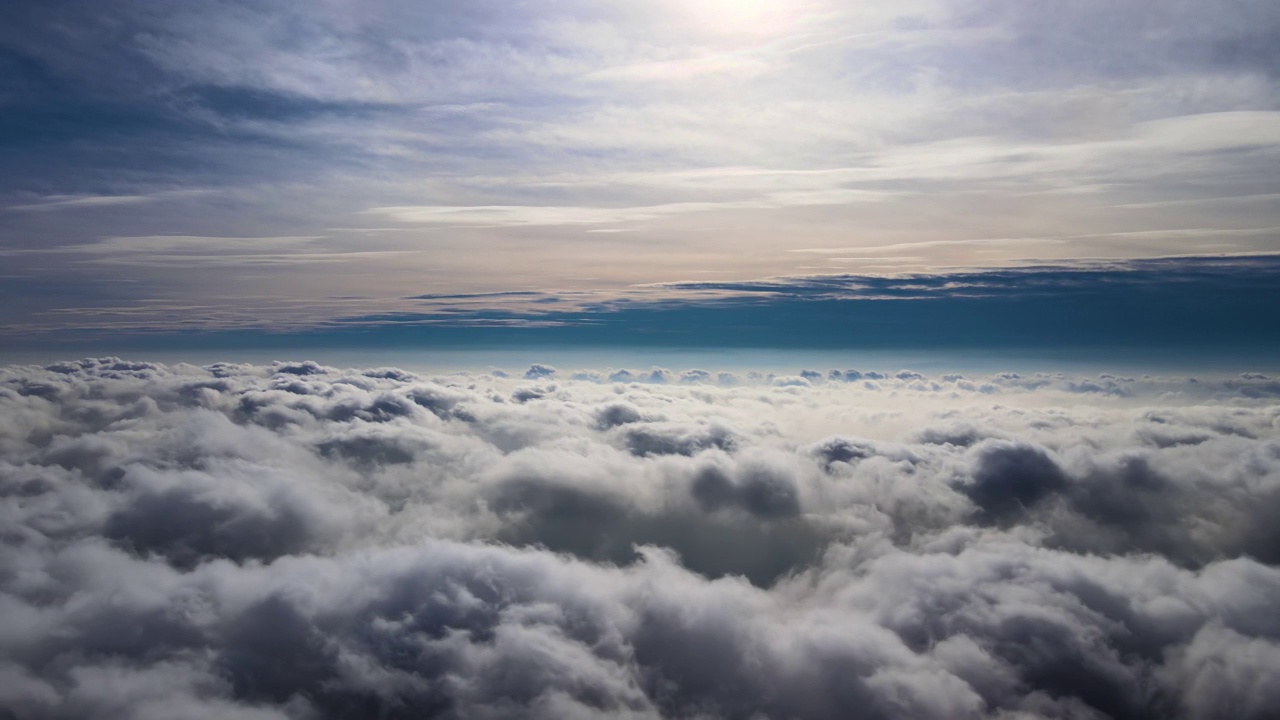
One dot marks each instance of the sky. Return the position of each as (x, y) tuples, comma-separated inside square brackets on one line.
[(725, 173)]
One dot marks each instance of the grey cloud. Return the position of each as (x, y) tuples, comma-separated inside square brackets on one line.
[(303, 368), (1128, 39), (524, 395), (298, 541), (190, 515), (961, 434), (1008, 478), (537, 372), (646, 439), (762, 491), (615, 414), (695, 376), (654, 375)]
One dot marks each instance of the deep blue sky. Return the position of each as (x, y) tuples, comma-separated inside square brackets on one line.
[(731, 173)]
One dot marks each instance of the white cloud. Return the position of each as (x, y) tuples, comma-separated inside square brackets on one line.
[(296, 540)]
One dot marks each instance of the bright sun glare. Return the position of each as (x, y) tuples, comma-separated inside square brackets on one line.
[(742, 16)]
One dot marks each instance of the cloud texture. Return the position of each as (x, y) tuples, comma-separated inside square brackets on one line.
[(297, 541)]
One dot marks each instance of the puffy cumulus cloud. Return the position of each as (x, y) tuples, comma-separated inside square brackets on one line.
[(538, 371), (300, 541)]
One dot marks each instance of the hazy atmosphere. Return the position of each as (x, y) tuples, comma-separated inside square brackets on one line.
[(735, 359)]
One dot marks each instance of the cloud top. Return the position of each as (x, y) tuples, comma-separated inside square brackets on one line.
[(301, 541)]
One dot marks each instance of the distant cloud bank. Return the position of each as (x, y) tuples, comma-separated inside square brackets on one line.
[(1219, 307), (298, 541)]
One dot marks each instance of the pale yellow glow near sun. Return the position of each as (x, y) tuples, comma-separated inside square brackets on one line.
[(756, 17)]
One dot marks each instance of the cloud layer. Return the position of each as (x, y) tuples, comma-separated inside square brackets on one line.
[(297, 541)]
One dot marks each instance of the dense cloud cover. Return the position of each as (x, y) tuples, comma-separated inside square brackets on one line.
[(297, 541)]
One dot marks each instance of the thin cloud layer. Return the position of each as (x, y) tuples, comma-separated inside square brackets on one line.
[(298, 541)]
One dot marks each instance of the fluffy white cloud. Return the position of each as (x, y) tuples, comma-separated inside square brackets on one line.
[(300, 541)]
